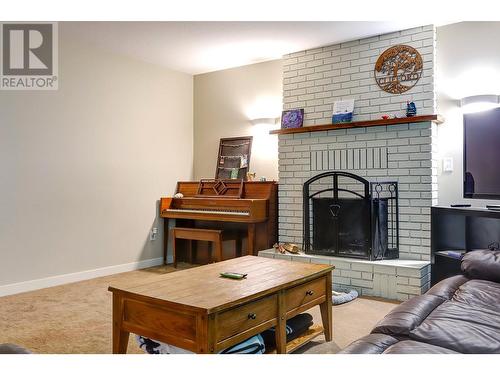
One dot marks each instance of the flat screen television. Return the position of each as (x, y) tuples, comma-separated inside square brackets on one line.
[(482, 154)]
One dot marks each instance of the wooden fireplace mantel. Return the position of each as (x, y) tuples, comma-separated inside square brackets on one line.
[(438, 119)]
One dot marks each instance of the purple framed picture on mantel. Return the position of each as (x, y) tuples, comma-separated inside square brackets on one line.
[(293, 118)]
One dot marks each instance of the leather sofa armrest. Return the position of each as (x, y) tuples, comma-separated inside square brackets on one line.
[(482, 264), (405, 317), (446, 288), (408, 315)]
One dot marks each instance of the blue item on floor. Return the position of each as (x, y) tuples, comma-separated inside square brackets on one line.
[(253, 345)]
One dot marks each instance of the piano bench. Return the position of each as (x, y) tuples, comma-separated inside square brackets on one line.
[(196, 234)]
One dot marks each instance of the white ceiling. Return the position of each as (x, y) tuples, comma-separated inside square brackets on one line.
[(201, 47)]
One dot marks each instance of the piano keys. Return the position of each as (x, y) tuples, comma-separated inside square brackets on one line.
[(249, 207), (205, 211), (239, 210)]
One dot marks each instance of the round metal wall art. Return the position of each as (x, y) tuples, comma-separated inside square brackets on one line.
[(398, 69)]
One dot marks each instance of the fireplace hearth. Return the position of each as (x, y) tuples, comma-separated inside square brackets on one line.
[(346, 215)]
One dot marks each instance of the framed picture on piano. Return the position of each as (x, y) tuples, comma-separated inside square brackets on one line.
[(233, 160)]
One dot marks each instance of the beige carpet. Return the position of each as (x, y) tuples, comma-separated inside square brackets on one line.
[(76, 318)]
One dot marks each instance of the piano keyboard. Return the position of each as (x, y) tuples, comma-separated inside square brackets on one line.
[(217, 212)]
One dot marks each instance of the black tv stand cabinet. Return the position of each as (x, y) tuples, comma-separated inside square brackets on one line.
[(457, 230)]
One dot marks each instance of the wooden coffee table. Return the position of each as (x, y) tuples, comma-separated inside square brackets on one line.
[(197, 310)]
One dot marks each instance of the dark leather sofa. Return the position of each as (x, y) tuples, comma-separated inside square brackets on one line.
[(460, 314)]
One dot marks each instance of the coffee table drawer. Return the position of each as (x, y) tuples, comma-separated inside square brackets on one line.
[(245, 317), (302, 294)]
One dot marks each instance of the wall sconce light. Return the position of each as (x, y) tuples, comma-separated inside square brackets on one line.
[(478, 103), (265, 121), (264, 145)]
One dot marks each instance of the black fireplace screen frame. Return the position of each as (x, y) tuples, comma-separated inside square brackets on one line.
[(372, 192)]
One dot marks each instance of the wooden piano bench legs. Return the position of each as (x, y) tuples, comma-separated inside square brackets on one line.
[(195, 234)]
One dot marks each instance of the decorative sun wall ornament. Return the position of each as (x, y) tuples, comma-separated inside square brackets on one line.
[(398, 69)]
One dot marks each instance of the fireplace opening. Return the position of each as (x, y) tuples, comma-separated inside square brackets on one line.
[(346, 215)]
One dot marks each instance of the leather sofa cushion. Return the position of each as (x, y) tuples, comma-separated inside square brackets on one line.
[(374, 343), (415, 347), (468, 323), (482, 264), (480, 293)]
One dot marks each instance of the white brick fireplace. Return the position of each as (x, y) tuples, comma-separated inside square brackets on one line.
[(401, 152), (406, 153)]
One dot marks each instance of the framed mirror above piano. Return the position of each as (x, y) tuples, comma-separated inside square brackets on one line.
[(233, 160)]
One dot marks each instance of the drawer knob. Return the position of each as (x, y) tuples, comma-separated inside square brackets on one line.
[(309, 293), (252, 316)]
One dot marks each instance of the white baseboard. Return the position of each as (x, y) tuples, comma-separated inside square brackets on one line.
[(47, 282)]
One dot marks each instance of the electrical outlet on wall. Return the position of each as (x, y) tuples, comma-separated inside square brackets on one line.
[(153, 234)]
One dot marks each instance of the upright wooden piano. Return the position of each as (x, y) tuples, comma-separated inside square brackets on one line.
[(247, 207)]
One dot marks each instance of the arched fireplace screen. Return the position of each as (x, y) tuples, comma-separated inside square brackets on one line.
[(349, 216)]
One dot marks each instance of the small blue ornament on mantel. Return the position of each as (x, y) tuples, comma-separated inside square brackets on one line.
[(411, 109)]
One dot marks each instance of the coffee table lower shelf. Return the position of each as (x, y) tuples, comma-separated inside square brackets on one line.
[(313, 332)]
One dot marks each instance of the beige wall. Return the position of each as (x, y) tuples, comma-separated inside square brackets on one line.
[(225, 101), (468, 63), (82, 167)]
